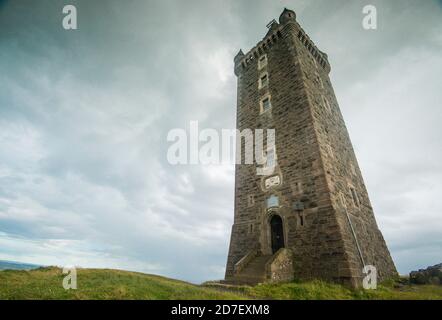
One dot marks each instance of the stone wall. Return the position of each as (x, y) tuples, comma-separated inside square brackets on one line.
[(280, 268), (316, 165)]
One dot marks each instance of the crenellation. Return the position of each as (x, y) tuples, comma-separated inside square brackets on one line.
[(261, 48)]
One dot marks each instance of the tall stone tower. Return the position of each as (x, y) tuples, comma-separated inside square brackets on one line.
[(312, 217)]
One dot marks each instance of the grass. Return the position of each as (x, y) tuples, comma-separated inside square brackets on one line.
[(46, 283), (320, 290)]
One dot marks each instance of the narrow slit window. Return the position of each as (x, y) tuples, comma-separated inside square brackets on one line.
[(342, 198), (352, 169), (297, 187), (330, 151), (318, 79), (326, 104), (355, 198), (251, 200)]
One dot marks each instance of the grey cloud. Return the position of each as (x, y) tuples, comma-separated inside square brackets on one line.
[(84, 117)]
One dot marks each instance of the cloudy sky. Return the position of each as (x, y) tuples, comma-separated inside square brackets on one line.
[(84, 117)]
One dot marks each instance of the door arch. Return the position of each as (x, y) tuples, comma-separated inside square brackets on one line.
[(276, 233)]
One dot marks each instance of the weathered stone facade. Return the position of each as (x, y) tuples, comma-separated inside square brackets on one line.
[(280, 267), (327, 219)]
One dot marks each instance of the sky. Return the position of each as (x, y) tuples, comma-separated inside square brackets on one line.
[(84, 117)]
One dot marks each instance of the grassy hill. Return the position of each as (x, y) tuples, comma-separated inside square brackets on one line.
[(46, 283)]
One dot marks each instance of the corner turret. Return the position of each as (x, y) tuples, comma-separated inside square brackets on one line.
[(237, 60), (286, 16)]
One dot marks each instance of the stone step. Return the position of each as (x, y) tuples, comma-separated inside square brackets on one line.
[(248, 280), (253, 270), (253, 273), (258, 263)]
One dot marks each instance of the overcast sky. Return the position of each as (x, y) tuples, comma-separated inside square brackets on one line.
[(84, 117)]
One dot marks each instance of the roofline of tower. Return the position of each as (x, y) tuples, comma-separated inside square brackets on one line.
[(251, 54), (260, 44), (324, 56)]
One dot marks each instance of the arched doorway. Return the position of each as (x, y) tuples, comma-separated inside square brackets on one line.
[(277, 233)]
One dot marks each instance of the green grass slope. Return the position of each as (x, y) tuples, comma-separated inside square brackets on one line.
[(320, 290), (46, 283)]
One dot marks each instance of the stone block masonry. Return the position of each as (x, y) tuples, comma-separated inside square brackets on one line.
[(315, 203)]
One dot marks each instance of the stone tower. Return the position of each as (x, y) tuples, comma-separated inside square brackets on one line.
[(312, 217)]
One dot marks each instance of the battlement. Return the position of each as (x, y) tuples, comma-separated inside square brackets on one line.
[(276, 33), (320, 56), (262, 47)]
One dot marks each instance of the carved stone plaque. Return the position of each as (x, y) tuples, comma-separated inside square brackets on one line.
[(272, 182)]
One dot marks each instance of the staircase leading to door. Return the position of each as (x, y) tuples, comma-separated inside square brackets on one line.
[(253, 273)]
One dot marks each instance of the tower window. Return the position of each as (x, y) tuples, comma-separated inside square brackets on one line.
[(326, 104), (342, 198), (318, 79), (266, 104), (251, 200), (330, 151), (301, 220), (354, 196), (316, 64), (298, 187), (263, 80), (352, 169), (262, 62)]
